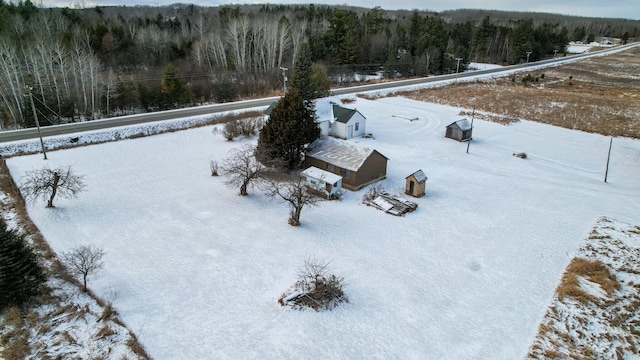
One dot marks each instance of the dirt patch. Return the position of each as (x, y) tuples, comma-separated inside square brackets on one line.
[(599, 95)]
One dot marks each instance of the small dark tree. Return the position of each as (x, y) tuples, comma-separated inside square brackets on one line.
[(290, 129), (242, 168), (293, 191), (21, 276), (320, 82), (47, 183), (84, 261), (174, 86), (225, 90)]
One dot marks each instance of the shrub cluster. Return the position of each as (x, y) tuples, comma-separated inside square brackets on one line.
[(242, 127), (315, 288)]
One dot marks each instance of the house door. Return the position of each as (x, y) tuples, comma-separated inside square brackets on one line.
[(411, 186), (349, 131)]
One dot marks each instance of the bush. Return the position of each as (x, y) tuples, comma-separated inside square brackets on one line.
[(315, 288), (373, 193), (527, 79), (242, 127)]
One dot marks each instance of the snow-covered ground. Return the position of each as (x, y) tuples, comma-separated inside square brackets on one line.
[(468, 275)]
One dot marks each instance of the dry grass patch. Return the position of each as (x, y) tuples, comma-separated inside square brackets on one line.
[(596, 312), (594, 271), (599, 95)]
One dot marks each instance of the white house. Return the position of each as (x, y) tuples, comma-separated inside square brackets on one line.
[(322, 182), (334, 119), (338, 121)]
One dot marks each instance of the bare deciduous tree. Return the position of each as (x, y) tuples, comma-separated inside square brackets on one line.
[(83, 261), (47, 183), (294, 191), (242, 168)]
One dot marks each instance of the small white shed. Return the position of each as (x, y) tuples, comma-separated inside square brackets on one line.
[(322, 182)]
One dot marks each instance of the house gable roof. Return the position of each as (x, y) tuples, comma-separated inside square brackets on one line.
[(341, 114), (419, 176), (324, 108), (340, 153), (462, 124)]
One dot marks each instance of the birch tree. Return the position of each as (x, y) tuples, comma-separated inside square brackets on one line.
[(237, 39), (11, 81)]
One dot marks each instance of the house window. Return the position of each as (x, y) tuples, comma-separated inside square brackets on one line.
[(331, 168), (357, 126), (344, 173)]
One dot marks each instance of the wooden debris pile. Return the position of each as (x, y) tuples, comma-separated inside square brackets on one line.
[(391, 204)]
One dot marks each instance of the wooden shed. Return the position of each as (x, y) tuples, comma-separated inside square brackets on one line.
[(358, 166), (416, 184), (322, 182), (459, 130)]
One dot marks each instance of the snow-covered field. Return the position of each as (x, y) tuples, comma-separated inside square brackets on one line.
[(468, 275)]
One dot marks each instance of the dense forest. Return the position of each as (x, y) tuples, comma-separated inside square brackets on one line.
[(89, 63)]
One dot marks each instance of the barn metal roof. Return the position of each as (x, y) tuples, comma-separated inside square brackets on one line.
[(340, 153)]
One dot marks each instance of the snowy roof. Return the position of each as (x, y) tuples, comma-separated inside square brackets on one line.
[(340, 153), (463, 124), (320, 174), (324, 108), (342, 114), (420, 176)]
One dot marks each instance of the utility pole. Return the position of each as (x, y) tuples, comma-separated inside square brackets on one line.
[(457, 68), (35, 116), (469, 142), (284, 77), (606, 171), (528, 53)]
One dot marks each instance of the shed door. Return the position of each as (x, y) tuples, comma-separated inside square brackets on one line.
[(411, 186), (349, 131)]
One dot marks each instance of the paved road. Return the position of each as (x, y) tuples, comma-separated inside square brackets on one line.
[(22, 134)]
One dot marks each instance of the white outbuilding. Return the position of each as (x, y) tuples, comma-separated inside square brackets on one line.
[(323, 183)]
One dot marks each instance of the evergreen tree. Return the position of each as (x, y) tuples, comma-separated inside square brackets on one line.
[(301, 75), (320, 82), (21, 276), (290, 128), (174, 86), (309, 80)]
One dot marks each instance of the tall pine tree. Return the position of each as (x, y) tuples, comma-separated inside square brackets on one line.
[(301, 75), (290, 128), (21, 276)]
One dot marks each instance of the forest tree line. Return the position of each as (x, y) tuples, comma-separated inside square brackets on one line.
[(89, 63)]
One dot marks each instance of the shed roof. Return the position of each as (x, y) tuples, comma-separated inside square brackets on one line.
[(420, 176), (320, 174), (463, 124), (340, 153)]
